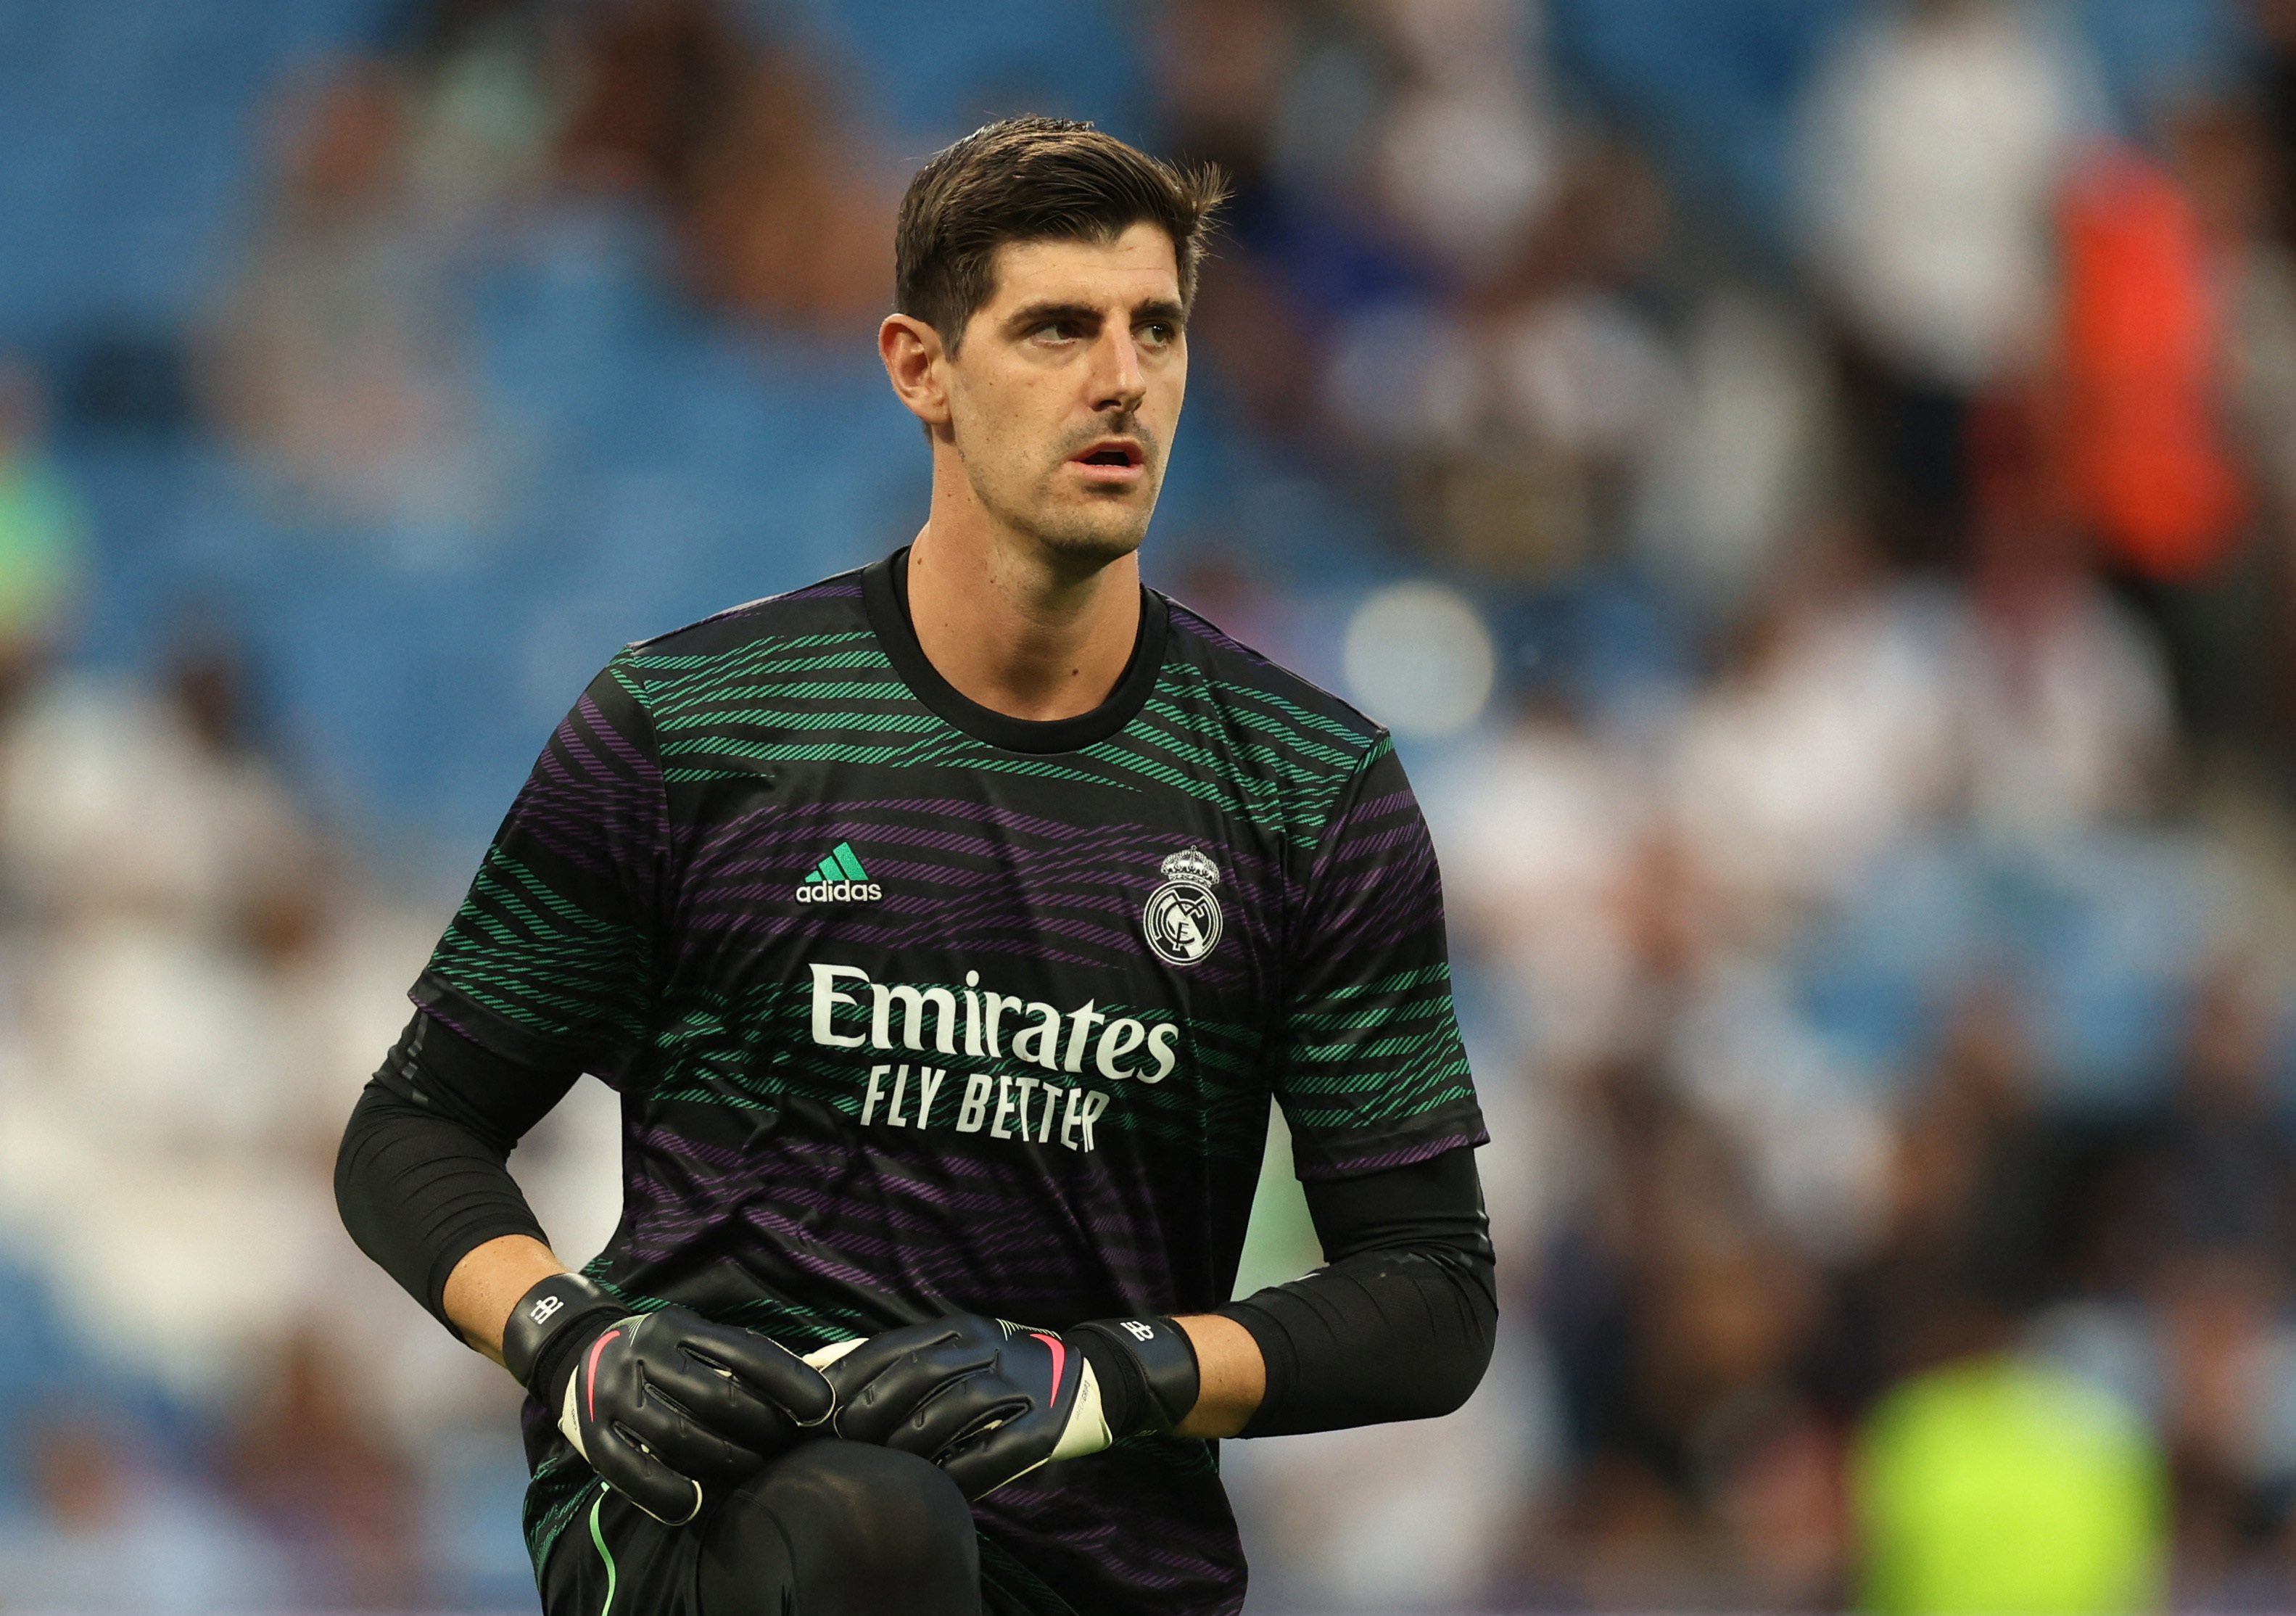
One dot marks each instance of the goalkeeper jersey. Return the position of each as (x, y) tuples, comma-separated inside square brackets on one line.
[(914, 1008)]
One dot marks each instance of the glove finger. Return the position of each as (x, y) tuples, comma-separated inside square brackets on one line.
[(764, 1369), (880, 1352), (1044, 1380), (958, 1410), (716, 1402), (984, 1464), (873, 1412), (689, 1446), (643, 1478), (1021, 1378), (875, 1396)]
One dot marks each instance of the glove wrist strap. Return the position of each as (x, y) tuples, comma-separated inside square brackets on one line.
[(1158, 1363), (547, 1316)]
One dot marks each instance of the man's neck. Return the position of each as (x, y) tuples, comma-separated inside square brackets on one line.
[(1011, 629)]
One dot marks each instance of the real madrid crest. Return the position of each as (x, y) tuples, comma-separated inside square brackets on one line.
[(1182, 917)]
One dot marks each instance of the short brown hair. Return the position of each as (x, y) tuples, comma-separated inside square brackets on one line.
[(1032, 179)]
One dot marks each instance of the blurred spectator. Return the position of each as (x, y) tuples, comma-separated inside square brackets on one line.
[(2065, 708), (2197, 356), (40, 538), (488, 91), (785, 212), (231, 859), (2228, 1169), (1553, 826), (1945, 1270), (2276, 34), (1524, 414), (1974, 1458), (1222, 68), (1828, 738), (1287, 100), (1990, 1486), (1468, 147), (1741, 460), (168, 1019), (112, 1535), (1676, 1314), (1937, 136), (658, 79), (2141, 356), (792, 212), (2224, 1254), (335, 360), (308, 1461)]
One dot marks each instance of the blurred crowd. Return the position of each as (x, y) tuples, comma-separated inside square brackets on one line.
[(207, 1409), (1840, 460), (1873, 871)]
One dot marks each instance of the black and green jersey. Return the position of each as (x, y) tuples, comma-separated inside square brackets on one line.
[(914, 1008)]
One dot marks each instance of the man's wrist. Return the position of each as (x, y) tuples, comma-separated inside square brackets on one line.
[(1146, 1368), (548, 1326)]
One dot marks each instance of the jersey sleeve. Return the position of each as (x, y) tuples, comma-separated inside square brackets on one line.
[(550, 961), (1372, 1073)]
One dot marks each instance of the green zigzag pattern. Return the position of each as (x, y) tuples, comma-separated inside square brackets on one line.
[(574, 972), (1295, 762)]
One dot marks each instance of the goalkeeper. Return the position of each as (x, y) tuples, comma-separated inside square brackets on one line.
[(945, 929)]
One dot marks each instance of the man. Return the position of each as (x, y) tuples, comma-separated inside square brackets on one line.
[(945, 928)]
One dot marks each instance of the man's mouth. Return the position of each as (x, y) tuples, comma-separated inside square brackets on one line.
[(1111, 459)]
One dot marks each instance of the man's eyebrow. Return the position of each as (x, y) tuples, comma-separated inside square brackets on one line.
[(1039, 314)]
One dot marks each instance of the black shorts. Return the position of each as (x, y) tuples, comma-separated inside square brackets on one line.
[(830, 1527)]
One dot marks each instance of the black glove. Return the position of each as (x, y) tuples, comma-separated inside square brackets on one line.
[(661, 1403), (988, 1401)]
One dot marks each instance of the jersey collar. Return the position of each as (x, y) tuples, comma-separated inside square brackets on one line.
[(885, 595)]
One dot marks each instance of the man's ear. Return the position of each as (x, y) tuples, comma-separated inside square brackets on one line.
[(914, 362)]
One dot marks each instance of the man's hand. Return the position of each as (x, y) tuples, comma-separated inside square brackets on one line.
[(661, 1403), (988, 1401)]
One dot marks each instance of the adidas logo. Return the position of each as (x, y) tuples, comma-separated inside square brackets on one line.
[(840, 879)]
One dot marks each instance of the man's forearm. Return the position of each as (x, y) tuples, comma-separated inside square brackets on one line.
[(1234, 1375), (1399, 1335), (1401, 1322), (488, 1283), (422, 1177)]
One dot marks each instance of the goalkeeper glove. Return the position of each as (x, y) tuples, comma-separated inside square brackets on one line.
[(988, 1401), (659, 1403)]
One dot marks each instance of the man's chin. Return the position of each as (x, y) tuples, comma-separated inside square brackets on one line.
[(1092, 550), (1087, 538)]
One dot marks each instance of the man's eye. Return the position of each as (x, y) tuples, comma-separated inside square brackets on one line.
[(1158, 333)]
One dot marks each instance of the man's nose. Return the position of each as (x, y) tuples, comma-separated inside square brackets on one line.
[(1117, 382)]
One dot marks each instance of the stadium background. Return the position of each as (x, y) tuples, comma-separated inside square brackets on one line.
[(1809, 482)]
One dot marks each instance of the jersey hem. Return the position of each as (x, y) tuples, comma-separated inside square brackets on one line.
[(1456, 1126), (492, 1031)]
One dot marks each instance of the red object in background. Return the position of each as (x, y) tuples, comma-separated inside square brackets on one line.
[(2145, 462)]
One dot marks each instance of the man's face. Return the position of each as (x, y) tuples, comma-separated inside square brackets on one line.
[(1064, 392)]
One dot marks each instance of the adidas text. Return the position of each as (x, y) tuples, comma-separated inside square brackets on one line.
[(839, 891)]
